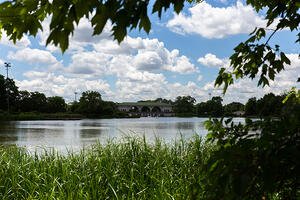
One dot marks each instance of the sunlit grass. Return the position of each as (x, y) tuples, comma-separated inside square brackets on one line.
[(132, 169)]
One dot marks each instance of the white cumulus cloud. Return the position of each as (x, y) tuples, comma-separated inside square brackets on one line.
[(23, 42), (60, 85), (217, 22), (211, 60), (33, 56)]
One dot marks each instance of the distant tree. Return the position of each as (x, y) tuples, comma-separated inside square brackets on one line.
[(55, 104), (73, 107), (233, 107), (251, 107), (270, 105), (31, 101), (3, 95), (90, 103), (202, 109), (184, 105), (38, 101), (9, 89), (161, 100), (217, 107), (108, 108), (24, 101), (213, 107)]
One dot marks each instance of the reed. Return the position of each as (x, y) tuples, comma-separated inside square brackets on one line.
[(131, 169)]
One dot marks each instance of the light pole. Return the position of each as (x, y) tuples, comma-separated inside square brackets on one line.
[(75, 93), (7, 66)]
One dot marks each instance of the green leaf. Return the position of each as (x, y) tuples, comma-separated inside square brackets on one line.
[(99, 21), (271, 74), (119, 33), (285, 59), (178, 5), (145, 23)]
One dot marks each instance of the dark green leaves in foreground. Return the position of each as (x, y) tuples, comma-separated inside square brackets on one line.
[(256, 160), (19, 17), (22, 17)]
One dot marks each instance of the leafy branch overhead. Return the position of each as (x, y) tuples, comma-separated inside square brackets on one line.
[(19, 17), (255, 56)]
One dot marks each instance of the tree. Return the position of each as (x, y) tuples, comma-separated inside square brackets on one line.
[(38, 101), (3, 95), (55, 104), (250, 107), (109, 108), (73, 107), (90, 103), (184, 105), (8, 89), (31, 101), (24, 101), (19, 17), (270, 105), (230, 108), (212, 108), (161, 100)]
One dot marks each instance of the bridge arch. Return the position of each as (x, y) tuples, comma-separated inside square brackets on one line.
[(145, 109), (156, 109)]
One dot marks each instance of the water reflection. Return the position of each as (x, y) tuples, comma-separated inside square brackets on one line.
[(63, 135), (7, 133)]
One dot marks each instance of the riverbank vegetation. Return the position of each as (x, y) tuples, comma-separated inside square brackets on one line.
[(39, 116), (135, 169), (132, 169)]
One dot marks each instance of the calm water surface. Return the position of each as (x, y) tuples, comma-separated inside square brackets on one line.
[(64, 135)]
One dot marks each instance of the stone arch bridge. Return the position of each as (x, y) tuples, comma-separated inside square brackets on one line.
[(146, 109)]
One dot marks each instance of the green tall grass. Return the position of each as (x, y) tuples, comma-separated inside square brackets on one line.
[(132, 169)]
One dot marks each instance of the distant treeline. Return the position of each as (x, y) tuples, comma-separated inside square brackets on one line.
[(91, 105), (269, 105)]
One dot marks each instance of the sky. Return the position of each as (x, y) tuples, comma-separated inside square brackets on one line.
[(180, 56)]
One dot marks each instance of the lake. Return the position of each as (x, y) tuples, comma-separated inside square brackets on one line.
[(64, 135)]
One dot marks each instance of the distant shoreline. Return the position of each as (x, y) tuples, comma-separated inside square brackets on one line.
[(40, 116), (72, 116)]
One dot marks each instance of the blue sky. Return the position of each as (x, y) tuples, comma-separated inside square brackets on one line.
[(181, 56)]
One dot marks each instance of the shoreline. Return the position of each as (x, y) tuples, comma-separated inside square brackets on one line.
[(72, 116)]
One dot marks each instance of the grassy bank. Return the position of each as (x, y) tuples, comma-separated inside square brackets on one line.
[(40, 116), (132, 169), (56, 116)]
